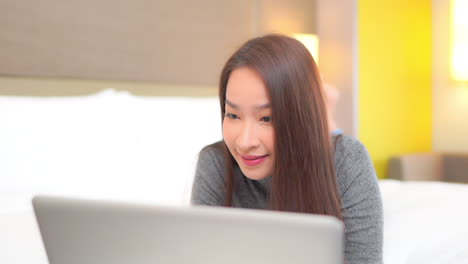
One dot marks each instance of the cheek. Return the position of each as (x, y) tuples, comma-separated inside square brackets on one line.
[(269, 139), (228, 133)]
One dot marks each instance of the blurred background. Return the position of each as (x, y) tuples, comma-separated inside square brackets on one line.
[(79, 78), (114, 99)]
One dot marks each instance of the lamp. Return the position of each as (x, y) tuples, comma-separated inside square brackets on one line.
[(459, 40), (311, 42), (294, 18)]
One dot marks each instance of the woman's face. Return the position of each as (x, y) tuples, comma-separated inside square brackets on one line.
[(247, 125)]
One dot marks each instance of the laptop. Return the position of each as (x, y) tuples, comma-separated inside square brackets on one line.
[(78, 231)]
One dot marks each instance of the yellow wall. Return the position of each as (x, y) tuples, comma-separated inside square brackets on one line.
[(395, 97)]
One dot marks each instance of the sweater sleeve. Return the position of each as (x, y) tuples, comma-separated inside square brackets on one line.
[(208, 184), (361, 203)]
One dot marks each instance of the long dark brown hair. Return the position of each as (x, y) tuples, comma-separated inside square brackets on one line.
[(304, 177)]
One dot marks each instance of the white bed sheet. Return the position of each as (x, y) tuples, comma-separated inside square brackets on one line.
[(425, 222)]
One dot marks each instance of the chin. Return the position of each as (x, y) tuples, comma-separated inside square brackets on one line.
[(254, 176)]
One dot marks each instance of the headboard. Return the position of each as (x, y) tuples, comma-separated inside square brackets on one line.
[(450, 167)]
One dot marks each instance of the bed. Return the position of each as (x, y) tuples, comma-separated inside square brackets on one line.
[(114, 145)]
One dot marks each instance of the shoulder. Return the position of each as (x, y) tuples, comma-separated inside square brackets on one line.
[(353, 163), (348, 145), (349, 152), (208, 184), (211, 155), (360, 200)]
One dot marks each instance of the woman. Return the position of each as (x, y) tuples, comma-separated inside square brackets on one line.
[(277, 151)]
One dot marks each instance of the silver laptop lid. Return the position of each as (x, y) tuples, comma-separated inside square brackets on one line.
[(98, 232)]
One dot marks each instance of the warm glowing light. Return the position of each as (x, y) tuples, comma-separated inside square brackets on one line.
[(311, 42), (459, 42)]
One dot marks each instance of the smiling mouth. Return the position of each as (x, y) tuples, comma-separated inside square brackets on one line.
[(251, 160)]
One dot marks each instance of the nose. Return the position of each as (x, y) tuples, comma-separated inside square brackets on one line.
[(247, 139)]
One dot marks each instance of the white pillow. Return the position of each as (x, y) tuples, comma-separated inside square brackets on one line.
[(108, 145)]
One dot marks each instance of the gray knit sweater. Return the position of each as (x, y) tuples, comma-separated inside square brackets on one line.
[(357, 184)]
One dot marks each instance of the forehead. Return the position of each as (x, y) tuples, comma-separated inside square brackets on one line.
[(246, 88)]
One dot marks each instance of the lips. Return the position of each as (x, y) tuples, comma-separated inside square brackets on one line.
[(251, 160)]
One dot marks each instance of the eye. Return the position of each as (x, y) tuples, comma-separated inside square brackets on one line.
[(266, 119), (231, 116)]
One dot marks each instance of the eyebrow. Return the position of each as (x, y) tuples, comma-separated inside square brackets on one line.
[(233, 105)]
